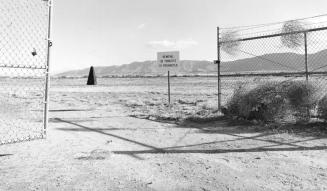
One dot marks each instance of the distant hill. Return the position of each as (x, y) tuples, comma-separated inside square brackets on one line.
[(277, 62), (146, 68)]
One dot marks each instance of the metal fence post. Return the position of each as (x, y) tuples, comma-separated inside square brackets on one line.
[(168, 76), (306, 57), (306, 68), (47, 83), (218, 71)]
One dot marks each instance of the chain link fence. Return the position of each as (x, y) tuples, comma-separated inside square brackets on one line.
[(24, 46), (280, 52)]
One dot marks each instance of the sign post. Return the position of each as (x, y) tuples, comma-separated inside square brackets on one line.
[(168, 61), (168, 87)]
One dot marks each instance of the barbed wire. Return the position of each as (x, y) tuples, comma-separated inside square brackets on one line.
[(277, 30), (274, 23)]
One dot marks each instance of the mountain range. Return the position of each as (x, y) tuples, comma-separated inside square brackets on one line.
[(276, 62)]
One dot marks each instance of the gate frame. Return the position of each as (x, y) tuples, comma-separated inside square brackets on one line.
[(47, 77)]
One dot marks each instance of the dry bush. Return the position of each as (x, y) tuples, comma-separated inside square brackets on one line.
[(272, 102), (231, 43), (301, 98), (322, 108), (292, 40), (261, 103)]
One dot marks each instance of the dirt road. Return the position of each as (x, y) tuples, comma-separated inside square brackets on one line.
[(91, 146)]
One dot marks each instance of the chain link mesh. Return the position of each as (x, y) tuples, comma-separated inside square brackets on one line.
[(252, 56), (23, 67)]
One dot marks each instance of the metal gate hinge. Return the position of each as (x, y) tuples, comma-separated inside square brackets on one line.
[(49, 2), (216, 61)]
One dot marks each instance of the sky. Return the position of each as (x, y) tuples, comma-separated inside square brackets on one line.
[(114, 32)]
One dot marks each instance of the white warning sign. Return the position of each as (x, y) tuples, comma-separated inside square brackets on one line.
[(168, 60)]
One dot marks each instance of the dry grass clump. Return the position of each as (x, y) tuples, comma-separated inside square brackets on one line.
[(273, 102)]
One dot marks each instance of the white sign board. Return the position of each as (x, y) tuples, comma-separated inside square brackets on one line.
[(168, 60)]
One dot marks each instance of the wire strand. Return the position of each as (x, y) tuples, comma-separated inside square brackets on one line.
[(266, 59), (277, 29), (274, 23)]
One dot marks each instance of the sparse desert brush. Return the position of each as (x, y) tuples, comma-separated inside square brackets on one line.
[(134, 103), (271, 102), (201, 119), (186, 102), (202, 115), (211, 106), (322, 108)]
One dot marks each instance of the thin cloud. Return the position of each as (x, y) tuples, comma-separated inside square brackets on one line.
[(141, 26), (180, 44)]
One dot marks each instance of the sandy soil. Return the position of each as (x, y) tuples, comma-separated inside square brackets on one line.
[(96, 142)]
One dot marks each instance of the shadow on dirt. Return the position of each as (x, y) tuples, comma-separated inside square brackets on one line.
[(219, 151), (67, 110), (223, 126), (108, 134), (105, 129), (5, 155), (75, 120)]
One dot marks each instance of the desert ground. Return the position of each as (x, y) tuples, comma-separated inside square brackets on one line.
[(122, 135)]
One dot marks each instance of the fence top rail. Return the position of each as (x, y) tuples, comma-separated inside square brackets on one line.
[(274, 35)]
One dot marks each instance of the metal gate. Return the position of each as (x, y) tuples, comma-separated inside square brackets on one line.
[(24, 69)]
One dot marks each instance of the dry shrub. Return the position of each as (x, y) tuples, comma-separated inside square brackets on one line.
[(261, 103), (301, 98), (230, 43), (322, 108), (292, 40), (272, 102)]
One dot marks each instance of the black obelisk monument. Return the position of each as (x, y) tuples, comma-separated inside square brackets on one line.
[(92, 79)]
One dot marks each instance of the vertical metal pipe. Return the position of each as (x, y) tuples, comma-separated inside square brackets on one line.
[(306, 56), (168, 87), (218, 71), (47, 78), (306, 67)]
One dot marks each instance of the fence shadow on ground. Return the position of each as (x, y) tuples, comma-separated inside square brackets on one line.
[(222, 126), (67, 110), (5, 155), (219, 151), (225, 125)]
